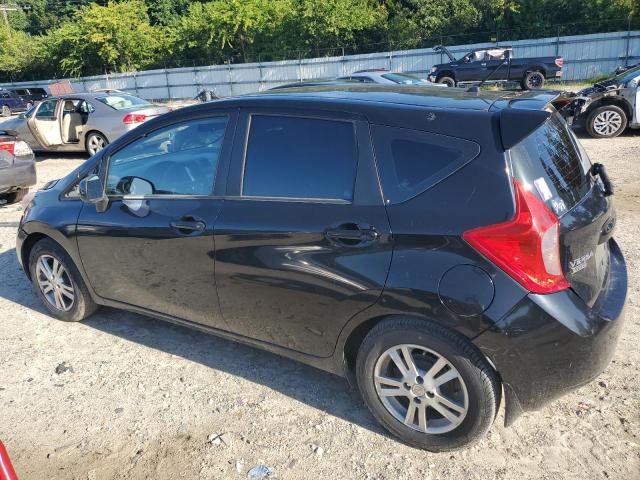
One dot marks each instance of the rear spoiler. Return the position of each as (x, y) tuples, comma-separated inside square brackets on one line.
[(523, 116)]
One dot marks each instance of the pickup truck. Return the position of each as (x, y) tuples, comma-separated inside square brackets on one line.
[(495, 64)]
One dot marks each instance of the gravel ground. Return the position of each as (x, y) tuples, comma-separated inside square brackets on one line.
[(141, 398)]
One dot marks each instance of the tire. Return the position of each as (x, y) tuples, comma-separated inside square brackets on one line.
[(448, 81), (14, 197), (533, 80), (475, 386), (82, 305), (95, 142), (607, 121), (6, 111)]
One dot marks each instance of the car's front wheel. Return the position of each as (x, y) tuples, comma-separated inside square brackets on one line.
[(606, 122), (426, 384), (58, 282), (448, 81), (95, 142)]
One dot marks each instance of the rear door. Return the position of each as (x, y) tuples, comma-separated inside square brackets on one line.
[(45, 123), (553, 164), (303, 240)]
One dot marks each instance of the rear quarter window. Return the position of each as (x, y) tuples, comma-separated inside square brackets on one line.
[(412, 161)]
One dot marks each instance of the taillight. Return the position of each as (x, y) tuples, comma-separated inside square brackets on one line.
[(527, 247), (7, 147), (130, 118), (559, 62)]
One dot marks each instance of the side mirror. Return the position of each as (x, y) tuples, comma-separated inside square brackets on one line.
[(92, 191)]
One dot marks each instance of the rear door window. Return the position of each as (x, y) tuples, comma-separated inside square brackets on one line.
[(411, 161), (304, 158), (552, 163)]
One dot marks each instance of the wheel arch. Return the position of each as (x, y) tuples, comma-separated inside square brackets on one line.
[(94, 130), (606, 101), (446, 73), (27, 246), (535, 68)]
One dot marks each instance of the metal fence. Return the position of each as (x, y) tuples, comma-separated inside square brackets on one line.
[(585, 56)]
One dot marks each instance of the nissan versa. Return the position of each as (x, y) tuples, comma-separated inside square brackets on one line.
[(446, 250)]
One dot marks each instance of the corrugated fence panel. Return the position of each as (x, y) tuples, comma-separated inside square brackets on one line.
[(585, 56)]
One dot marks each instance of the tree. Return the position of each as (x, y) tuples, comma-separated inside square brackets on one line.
[(18, 52), (116, 38)]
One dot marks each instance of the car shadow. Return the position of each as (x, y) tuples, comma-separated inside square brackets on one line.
[(42, 156), (323, 391)]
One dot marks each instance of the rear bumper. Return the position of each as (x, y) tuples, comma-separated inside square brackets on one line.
[(548, 345), (21, 175)]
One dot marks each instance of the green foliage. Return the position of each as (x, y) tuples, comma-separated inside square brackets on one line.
[(117, 37), (85, 37)]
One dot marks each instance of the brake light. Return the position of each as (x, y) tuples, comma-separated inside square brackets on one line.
[(130, 118), (559, 62), (7, 147), (527, 247)]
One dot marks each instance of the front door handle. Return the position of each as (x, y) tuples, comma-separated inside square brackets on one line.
[(188, 225), (351, 234)]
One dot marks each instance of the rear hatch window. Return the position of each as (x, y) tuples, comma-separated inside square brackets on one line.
[(552, 164)]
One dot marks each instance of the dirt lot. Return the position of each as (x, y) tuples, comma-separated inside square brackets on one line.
[(143, 396)]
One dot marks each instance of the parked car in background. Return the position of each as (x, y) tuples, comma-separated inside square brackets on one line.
[(378, 75), (384, 77), (17, 167), (11, 103), (498, 64), (31, 95), (608, 107), (82, 121), (438, 247)]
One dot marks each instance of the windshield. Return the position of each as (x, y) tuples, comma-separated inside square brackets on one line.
[(403, 78), (122, 102)]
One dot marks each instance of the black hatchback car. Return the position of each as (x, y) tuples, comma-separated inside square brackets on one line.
[(437, 247)]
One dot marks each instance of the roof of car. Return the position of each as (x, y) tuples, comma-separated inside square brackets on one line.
[(84, 95), (423, 96)]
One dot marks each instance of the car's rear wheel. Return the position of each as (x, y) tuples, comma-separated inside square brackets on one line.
[(448, 81), (606, 122), (95, 142), (533, 80), (14, 197), (6, 111), (426, 384), (58, 282)]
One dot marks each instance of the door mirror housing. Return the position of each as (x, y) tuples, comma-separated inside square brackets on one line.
[(92, 191)]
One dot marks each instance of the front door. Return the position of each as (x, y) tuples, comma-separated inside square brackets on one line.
[(153, 246), (303, 240), (45, 124)]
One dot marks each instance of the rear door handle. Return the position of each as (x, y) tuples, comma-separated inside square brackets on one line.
[(189, 226), (351, 234)]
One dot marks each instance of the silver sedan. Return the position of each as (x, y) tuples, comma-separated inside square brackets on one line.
[(81, 121)]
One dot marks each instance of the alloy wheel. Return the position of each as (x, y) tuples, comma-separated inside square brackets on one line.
[(421, 389), (54, 283), (95, 144), (607, 123)]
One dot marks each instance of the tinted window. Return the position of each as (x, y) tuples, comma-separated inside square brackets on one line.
[(180, 160), (404, 79), (411, 161), (300, 158), (552, 163), (47, 109)]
